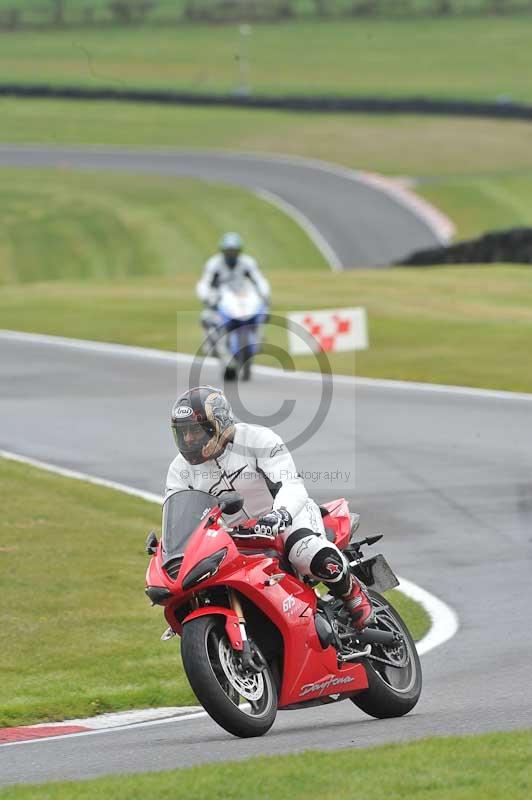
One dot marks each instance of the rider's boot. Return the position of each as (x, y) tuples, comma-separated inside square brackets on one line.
[(358, 605), (311, 554), (346, 587)]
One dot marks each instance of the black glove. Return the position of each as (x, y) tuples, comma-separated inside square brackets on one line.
[(274, 522)]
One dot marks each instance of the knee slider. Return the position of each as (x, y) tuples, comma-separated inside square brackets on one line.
[(328, 565)]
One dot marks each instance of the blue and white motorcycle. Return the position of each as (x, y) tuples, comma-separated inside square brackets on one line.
[(234, 329)]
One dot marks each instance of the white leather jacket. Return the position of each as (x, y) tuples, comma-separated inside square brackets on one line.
[(216, 273), (257, 465)]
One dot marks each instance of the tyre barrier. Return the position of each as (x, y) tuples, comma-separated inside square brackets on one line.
[(511, 246), (501, 109)]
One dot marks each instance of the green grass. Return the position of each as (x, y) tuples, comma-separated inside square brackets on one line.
[(67, 225), (386, 57), (483, 203), (85, 639), (460, 325), (478, 171), (418, 619), (116, 258), (494, 766), (396, 145)]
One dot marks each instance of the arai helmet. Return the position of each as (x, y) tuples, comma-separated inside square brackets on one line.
[(202, 423)]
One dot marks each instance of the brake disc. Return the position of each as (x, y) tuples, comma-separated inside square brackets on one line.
[(249, 685)]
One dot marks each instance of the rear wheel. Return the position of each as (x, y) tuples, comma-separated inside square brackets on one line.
[(394, 673), (244, 702)]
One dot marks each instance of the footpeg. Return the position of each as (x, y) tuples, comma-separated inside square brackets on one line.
[(356, 654)]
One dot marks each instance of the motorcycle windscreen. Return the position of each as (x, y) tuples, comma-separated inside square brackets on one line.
[(182, 513)]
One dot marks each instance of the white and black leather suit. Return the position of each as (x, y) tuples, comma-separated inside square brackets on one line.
[(257, 464), (217, 273)]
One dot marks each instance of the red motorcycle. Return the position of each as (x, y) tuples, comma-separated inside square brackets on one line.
[(256, 637)]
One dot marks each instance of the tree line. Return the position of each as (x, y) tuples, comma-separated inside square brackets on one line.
[(59, 13)]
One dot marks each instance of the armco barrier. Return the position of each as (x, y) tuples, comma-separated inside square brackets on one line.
[(366, 105)]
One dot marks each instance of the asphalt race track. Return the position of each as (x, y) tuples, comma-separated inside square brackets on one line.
[(362, 225), (446, 475)]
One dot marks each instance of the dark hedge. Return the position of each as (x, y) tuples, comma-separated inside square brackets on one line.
[(514, 246)]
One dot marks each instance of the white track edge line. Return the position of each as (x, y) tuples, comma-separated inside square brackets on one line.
[(117, 719), (124, 350), (444, 622), (305, 224), (147, 724), (81, 476)]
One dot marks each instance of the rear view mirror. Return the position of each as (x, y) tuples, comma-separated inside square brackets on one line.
[(151, 543), (231, 503)]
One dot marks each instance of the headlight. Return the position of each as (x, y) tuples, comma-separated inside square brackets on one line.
[(204, 569), (157, 594)]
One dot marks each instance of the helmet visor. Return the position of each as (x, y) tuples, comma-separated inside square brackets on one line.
[(231, 257), (191, 438)]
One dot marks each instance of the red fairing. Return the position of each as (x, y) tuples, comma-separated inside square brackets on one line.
[(308, 671), (232, 627), (338, 519), (291, 606)]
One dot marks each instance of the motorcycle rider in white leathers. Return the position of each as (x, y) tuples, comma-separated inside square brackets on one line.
[(232, 268), (217, 455)]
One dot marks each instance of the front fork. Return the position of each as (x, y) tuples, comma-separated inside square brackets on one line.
[(252, 660), (236, 605)]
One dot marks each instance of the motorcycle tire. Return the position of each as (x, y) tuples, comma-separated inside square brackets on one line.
[(245, 355), (243, 703), (392, 691)]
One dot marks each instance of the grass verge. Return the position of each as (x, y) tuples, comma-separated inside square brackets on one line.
[(494, 766), (459, 325), (386, 57), (85, 640), (396, 145), (482, 203), (58, 224)]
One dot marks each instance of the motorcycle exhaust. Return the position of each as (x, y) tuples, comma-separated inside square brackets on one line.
[(374, 636)]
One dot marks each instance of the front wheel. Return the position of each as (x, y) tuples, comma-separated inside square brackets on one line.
[(244, 702), (394, 673), (245, 353)]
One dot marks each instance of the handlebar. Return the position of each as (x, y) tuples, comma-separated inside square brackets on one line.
[(247, 531), (249, 524)]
